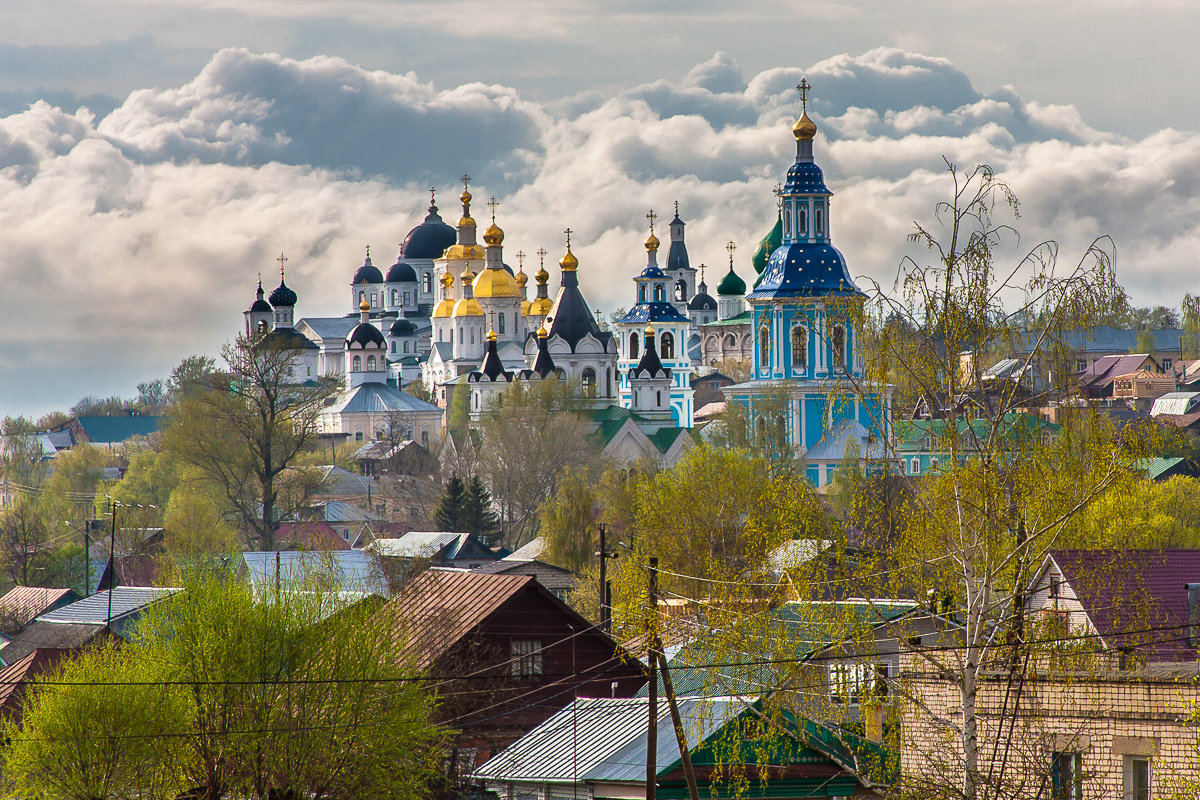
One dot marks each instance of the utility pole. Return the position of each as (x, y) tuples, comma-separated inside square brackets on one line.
[(652, 653), (112, 565), (87, 559), (605, 585), (681, 739)]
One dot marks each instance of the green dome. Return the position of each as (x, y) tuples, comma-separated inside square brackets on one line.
[(731, 284), (769, 244)]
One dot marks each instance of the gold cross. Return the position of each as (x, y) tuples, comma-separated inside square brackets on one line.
[(282, 260), (466, 179), (802, 87), (568, 233), (542, 253), (492, 205), (650, 215), (702, 273), (731, 247), (521, 260)]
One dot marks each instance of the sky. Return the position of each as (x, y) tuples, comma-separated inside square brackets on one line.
[(157, 155)]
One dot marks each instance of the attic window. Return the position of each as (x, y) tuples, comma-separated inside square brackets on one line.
[(526, 659), (1055, 584)]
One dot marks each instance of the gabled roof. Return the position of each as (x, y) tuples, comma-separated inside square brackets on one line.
[(93, 610), (341, 511), (548, 575), (336, 480), (1104, 339), (346, 570), (1134, 598), (437, 545), (330, 327), (23, 603), (607, 738), (111, 430), (47, 636), (529, 551), (439, 608), (1107, 369), (380, 398)]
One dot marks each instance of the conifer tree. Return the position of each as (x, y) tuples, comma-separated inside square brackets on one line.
[(479, 517), (449, 514)]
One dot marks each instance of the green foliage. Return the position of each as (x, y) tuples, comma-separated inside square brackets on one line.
[(568, 522), (194, 373), (221, 692), (448, 515), (479, 517), (1189, 343)]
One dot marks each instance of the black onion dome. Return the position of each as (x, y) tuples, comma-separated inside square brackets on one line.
[(367, 273), (365, 334), (282, 296), (429, 239), (702, 302), (260, 305), (402, 327), (401, 273)]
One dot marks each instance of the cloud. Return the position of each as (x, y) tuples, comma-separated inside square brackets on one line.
[(134, 240)]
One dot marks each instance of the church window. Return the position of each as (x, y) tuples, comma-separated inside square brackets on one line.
[(680, 291), (461, 334), (395, 295), (589, 382), (370, 363), (838, 340), (633, 345), (764, 346), (658, 398), (361, 296), (730, 342), (800, 347), (358, 436), (666, 344), (472, 336), (373, 303), (642, 293), (407, 299), (500, 324), (393, 347), (608, 382), (820, 222), (357, 364), (659, 293), (426, 282), (803, 217), (787, 221)]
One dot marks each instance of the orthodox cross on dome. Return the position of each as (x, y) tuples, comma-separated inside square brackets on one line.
[(432, 196), (650, 215), (466, 179), (677, 208), (282, 260), (368, 252), (803, 87), (492, 205), (778, 197), (731, 247), (260, 280), (568, 232), (543, 252), (702, 273), (521, 260)]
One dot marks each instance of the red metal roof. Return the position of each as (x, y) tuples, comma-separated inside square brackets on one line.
[(23, 603)]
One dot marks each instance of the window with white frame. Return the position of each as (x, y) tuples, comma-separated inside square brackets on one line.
[(914, 466), (1066, 776), (1137, 778), (853, 682), (526, 659)]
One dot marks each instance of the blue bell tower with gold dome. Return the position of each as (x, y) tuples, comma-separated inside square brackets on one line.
[(804, 309)]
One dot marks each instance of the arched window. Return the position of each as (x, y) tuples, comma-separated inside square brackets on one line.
[(658, 398), (642, 293), (608, 382), (461, 334), (407, 299), (659, 293), (361, 296), (406, 347), (500, 323), (764, 347), (803, 222), (666, 346), (680, 290), (374, 302), (589, 382), (799, 347), (357, 364), (393, 345), (820, 222), (787, 220), (633, 345), (838, 342), (730, 342), (426, 282), (370, 363)]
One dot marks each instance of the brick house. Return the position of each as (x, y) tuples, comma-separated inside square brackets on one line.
[(1102, 708)]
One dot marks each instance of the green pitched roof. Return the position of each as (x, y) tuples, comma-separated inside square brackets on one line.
[(110, 430)]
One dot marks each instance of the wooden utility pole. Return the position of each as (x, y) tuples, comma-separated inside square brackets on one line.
[(680, 737), (652, 653), (605, 585)]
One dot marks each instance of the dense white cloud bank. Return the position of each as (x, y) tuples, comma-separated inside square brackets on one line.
[(134, 240)]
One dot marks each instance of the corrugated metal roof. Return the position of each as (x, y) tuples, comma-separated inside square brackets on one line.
[(529, 551), (41, 635), (330, 327), (604, 739), (416, 544), (377, 398), (438, 608), (347, 570), (345, 511), (93, 610)]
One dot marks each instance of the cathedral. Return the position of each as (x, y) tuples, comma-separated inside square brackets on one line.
[(451, 315), (805, 347)]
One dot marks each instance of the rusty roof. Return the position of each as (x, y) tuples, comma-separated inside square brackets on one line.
[(438, 608), (23, 603)]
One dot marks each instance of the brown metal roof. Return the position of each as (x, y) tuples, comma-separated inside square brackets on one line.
[(24, 603), (438, 608)]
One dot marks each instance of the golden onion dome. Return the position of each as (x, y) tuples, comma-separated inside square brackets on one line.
[(522, 279), (365, 305), (649, 329), (652, 243), (542, 333), (540, 306), (542, 277), (525, 308), (491, 334), (444, 309), (447, 280), (468, 307), (569, 262), (496, 283), (465, 197), (462, 251), (804, 128), (493, 235), (466, 222), (467, 276)]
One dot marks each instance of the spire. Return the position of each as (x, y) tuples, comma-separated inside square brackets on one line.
[(543, 364), (492, 366), (650, 364), (677, 256)]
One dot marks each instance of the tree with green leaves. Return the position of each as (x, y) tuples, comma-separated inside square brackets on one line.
[(246, 428), (226, 694)]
